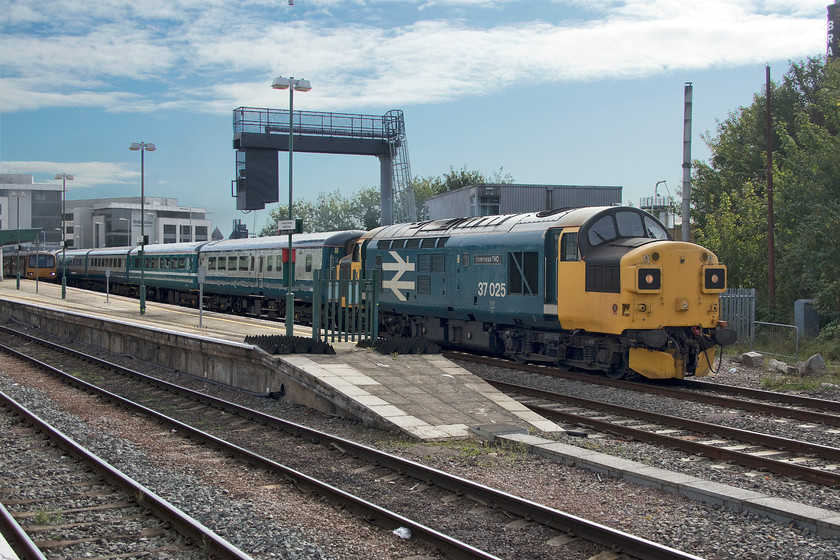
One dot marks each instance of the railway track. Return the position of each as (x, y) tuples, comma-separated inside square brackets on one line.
[(359, 477), (61, 501), (797, 407), (812, 462)]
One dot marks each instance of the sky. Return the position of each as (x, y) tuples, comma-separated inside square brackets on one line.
[(572, 92)]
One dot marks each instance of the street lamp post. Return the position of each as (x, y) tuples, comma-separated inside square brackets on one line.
[(300, 85), (143, 147), (17, 195), (64, 178)]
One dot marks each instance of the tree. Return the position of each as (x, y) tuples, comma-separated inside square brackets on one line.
[(333, 211), (730, 197), (427, 187)]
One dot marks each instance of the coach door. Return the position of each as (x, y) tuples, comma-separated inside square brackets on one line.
[(260, 272)]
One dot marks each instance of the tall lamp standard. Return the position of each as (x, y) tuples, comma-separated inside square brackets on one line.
[(143, 147), (292, 85), (64, 178), (17, 195)]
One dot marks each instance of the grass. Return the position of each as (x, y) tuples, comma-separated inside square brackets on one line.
[(787, 383)]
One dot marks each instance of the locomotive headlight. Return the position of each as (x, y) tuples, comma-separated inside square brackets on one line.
[(714, 279), (648, 279)]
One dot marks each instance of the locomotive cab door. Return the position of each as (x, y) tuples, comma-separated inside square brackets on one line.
[(571, 305), (552, 247)]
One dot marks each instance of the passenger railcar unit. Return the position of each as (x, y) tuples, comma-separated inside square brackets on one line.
[(33, 264), (241, 275)]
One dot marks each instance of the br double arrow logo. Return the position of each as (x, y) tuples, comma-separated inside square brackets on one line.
[(399, 267)]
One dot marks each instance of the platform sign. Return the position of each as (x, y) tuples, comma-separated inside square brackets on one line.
[(287, 227)]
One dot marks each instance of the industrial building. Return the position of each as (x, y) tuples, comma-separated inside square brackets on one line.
[(486, 199), (103, 222)]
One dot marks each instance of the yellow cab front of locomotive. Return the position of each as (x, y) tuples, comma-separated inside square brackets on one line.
[(667, 285)]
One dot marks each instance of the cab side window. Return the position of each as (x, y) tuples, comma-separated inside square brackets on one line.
[(569, 248)]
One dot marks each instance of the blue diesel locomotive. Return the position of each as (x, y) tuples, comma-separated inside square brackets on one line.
[(603, 289)]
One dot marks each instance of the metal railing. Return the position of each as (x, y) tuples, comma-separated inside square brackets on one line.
[(317, 123), (782, 337), (348, 310)]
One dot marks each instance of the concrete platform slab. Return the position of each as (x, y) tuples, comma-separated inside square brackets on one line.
[(427, 397)]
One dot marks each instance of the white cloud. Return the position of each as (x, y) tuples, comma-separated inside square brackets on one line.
[(185, 54), (86, 174)]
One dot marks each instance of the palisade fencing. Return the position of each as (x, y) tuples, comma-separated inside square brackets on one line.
[(348, 310), (737, 308)]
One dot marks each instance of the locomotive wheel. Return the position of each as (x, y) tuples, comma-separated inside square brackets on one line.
[(616, 374)]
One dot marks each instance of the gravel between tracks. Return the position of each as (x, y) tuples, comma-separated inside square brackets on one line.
[(271, 525)]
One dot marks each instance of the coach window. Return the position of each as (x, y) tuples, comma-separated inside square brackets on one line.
[(222, 263), (243, 263), (211, 263), (269, 263), (308, 263)]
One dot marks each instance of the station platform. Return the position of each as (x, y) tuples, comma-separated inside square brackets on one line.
[(425, 396)]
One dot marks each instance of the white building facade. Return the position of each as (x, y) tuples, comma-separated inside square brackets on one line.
[(92, 223)]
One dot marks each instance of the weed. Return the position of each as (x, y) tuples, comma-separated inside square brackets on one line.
[(43, 517)]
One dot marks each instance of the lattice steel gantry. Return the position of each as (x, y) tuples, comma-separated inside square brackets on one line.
[(258, 134)]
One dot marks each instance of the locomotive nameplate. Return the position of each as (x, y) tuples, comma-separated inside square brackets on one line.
[(487, 259)]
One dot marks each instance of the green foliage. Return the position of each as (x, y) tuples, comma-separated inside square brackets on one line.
[(729, 192), (330, 212), (427, 187), (334, 211)]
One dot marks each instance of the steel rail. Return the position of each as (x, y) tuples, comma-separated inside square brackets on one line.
[(453, 548), (683, 394), (760, 394), (17, 538), (825, 478), (746, 436), (181, 522), (640, 548)]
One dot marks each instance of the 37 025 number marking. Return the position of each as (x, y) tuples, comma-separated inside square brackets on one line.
[(492, 289)]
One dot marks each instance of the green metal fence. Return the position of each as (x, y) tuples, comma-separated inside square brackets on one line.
[(348, 310)]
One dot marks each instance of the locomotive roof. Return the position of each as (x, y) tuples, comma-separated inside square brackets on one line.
[(507, 223)]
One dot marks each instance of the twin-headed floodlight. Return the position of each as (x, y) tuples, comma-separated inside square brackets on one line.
[(134, 146), (285, 83)]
